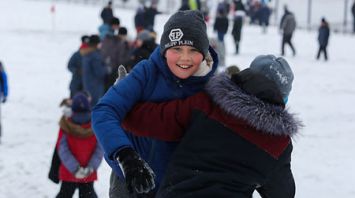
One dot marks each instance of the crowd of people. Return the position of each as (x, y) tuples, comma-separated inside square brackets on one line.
[(146, 108)]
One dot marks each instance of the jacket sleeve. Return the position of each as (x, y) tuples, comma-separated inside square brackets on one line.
[(167, 120), (110, 111), (66, 156), (96, 157), (72, 64)]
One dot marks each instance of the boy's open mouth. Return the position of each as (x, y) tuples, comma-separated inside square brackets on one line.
[(184, 66)]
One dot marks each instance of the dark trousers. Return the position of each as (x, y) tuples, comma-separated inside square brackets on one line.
[(286, 39), (324, 50), (86, 190), (236, 43)]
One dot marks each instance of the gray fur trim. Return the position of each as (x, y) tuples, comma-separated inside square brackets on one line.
[(266, 117)]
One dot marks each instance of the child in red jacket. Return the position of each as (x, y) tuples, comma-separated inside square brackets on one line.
[(78, 150)]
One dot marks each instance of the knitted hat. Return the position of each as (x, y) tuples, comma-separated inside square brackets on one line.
[(81, 108), (277, 70), (185, 28), (80, 103)]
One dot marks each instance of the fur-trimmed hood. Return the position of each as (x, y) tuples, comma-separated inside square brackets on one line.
[(266, 117), (74, 129)]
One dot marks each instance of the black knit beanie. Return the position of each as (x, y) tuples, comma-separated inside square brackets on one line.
[(185, 28)]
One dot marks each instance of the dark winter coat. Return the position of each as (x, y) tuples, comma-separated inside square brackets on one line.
[(75, 151), (94, 73), (150, 80), (221, 24), (323, 35), (114, 52), (234, 143), (288, 23), (238, 5), (139, 20), (149, 16), (353, 9), (237, 28), (264, 14), (106, 15), (75, 67), (3, 83)]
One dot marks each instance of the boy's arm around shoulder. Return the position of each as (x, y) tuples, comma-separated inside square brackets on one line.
[(166, 121), (112, 108)]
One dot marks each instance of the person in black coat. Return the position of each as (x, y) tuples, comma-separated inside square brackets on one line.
[(353, 12), (221, 24), (107, 13), (149, 16), (235, 137), (323, 37)]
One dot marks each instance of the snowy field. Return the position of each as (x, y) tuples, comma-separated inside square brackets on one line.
[(35, 47)]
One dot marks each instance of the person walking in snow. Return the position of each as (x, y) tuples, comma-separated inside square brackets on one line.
[(353, 13), (235, 136), (287, 27), (238, 20), (221, 27), (323, 37), (3, 91), (179, 67), (78, 150), (107, 13)]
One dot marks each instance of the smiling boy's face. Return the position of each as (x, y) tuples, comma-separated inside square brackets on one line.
[(183, 61)]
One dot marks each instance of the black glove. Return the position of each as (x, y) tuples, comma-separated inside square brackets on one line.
[(139, 176)]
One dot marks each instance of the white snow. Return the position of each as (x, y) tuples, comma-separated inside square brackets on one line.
[(35, 47)]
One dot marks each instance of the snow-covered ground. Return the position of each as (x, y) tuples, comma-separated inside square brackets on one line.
[(35, 47)]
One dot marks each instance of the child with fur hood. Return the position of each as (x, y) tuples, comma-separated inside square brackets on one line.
[(78, 150), (235, 136)]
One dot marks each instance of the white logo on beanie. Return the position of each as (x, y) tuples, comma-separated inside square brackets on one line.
[(176, 34)]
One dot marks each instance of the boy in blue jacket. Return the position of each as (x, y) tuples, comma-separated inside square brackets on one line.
[(178, 68)]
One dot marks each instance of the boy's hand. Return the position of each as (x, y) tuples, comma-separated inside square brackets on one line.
[(139, 176)]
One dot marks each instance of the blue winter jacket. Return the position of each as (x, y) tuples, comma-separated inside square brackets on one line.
[(323, 35), (150, 80), (74, 66), (94, 73), (3, 83)]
